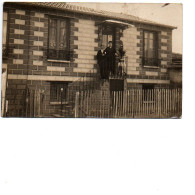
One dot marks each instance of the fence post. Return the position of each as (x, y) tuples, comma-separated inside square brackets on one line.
[(159, 103), (76, 114)]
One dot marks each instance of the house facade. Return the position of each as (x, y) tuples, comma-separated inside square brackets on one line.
[(49, 46)]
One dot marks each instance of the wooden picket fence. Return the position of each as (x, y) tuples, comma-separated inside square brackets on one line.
[(135, 103), (34, 105)]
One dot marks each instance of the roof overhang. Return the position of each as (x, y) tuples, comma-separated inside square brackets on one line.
[(117, 23)]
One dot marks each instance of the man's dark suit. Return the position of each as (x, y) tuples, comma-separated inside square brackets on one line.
[(110, 58)]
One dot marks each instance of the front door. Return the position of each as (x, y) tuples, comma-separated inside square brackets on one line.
[(108, 34)]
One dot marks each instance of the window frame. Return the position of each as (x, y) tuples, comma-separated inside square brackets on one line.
[(6, 45), (155, 60), (57, 58), (56, 86)]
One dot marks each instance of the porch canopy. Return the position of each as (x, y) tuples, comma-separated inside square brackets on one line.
[(120, 24)]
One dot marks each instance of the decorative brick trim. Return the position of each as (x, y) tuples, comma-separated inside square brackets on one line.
[(20, 12), (18, 61), (17, 31), (39, 15), (38, 53), (39, 24), (18, 51), (38, 43), (18, 21), (45, 78), (18, 41), (37, 62), (54, 68), (38, 34), (148, 81), (151, 73)]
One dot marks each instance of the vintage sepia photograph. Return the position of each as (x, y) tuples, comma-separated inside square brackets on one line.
[(91, 60)]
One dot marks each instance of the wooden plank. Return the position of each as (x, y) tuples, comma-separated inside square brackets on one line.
[(123, 111), (150, 101), (81, 107), (114, 106), (165, 106), (119, 103), (166, 103), (142, 113), (160, 102), (152, 97), (132, 110), (76, 105), (87, 102), (126, 103), (157, 95), (147, 97), (154, 105), (175, 102), (171, 102), (136, 101), (102, 102), (127, 110), (163, 102), (175, 107)]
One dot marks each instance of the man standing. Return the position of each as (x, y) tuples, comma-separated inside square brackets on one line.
[(101, 63), (110, 58)]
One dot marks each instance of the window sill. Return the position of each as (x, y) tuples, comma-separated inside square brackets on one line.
[(61, 61), (151, 67), (58, 103)]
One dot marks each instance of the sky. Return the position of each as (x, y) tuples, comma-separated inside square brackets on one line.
[(170, 15)]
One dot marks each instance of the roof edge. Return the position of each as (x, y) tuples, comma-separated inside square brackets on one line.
[(91, 11)]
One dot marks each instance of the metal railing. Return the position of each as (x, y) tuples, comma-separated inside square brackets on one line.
[(64, 54)]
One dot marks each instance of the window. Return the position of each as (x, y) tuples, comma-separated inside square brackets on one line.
[(58, 91), (58, 44), (150, 51), (5, 23)]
